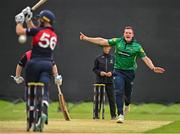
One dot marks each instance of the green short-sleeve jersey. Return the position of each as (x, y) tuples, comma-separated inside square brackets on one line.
[(126, 53)]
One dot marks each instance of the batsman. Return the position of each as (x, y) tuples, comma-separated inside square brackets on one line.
[(44, 40)]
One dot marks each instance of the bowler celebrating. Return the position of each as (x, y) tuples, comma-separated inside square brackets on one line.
[(127, 50)]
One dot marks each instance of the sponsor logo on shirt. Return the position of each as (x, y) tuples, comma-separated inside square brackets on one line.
[(124, 54)]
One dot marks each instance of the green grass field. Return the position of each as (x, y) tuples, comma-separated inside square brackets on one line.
[(143, 118)]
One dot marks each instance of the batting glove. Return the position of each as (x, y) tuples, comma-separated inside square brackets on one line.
[(27, 13), (58, 79), (18, 79), (19, 18)]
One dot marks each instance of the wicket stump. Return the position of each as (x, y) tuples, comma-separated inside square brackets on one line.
[(35, 92), (97, 99)]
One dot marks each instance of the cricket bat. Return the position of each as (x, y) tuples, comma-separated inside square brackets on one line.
[(62, 104), (37, 5)]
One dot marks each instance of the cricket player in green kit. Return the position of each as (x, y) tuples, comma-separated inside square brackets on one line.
[(127, 50)]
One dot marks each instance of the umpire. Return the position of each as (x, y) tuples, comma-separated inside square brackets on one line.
[(103, 68)]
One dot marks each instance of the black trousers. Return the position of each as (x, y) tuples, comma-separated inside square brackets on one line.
[(111, 99)]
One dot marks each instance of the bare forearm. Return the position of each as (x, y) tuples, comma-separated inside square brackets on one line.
[(54, 70), (97, 40), (148, 62), (30, 24), (20, 30), (18, 70)]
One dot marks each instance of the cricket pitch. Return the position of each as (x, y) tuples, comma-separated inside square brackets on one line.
[(83, 126)]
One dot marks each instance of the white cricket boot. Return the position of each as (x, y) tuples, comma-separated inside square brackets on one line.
[(120, 119)]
